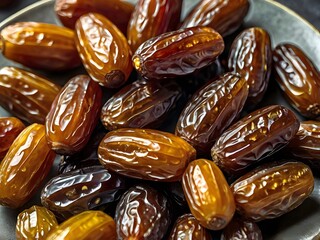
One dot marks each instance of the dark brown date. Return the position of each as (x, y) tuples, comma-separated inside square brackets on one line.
[(251, 56), (254, 137), (298, 78), (211, 110), (142, 213), (178, 53), (142, 104)]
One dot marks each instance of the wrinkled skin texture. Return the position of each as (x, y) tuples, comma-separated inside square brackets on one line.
[(254, 137), (271, 191), (10, 128), (73, 115), (103, 49), (88, 225), (208, 194), (178, 53), (298, 78), (211, 110), (69, 11), (25, 166), (145, 154), (225, 16), (26, 95), (84, 189), (142, 104), (142, 213), (187, 227), (251, 56), (35, 223), (40, 45), (151, 18)]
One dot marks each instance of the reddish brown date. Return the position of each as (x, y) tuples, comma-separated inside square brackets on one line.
[(103, 49), (211, 110), (225, 16), (151, 18), (26, 95), (298, 78), (145, 154), (10, 128), (268, 192), (142, 213), (73, 115), (254, 137), (178, 53), (251, 56), (142, 104)]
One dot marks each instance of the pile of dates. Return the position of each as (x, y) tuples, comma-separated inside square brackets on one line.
[(158, 140)]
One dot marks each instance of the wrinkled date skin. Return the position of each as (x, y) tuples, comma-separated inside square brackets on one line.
[(145, 154), (103, 49), (26, 95), (73, 115), (88, 225), (84, 189), (142, 104), (208, 194), (35, 223), (251, 56), (25, 166), (151, 18), (178, 53), (298, 78), (117, 11), (142, 213), (254, 137), (269, 192), (40, 45), (211, 110), (10, 128), (225, 16), (187, 227)]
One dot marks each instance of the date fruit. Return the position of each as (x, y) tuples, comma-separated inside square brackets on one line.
[(103, 49), (145, 154), (211, 110), (25, 166), (270, 191), (73, 116), (178, 53), (40, 45), (142, 213), (87, 225), (298, 78), (142, 104), (35, 223), (208, 194), (254, 137), (26, 95)]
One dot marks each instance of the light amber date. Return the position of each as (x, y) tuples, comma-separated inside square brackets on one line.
[(208, 194), (268, 192), (25, 166), (10, 128), (35, 223), (254, 137), (145, 154), (103, 49), (73, 115), (178, 53), (84, 226), (26, 95), (40, 45), (211, 110)]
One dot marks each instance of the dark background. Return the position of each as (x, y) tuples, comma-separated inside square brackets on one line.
[(309, 9)]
